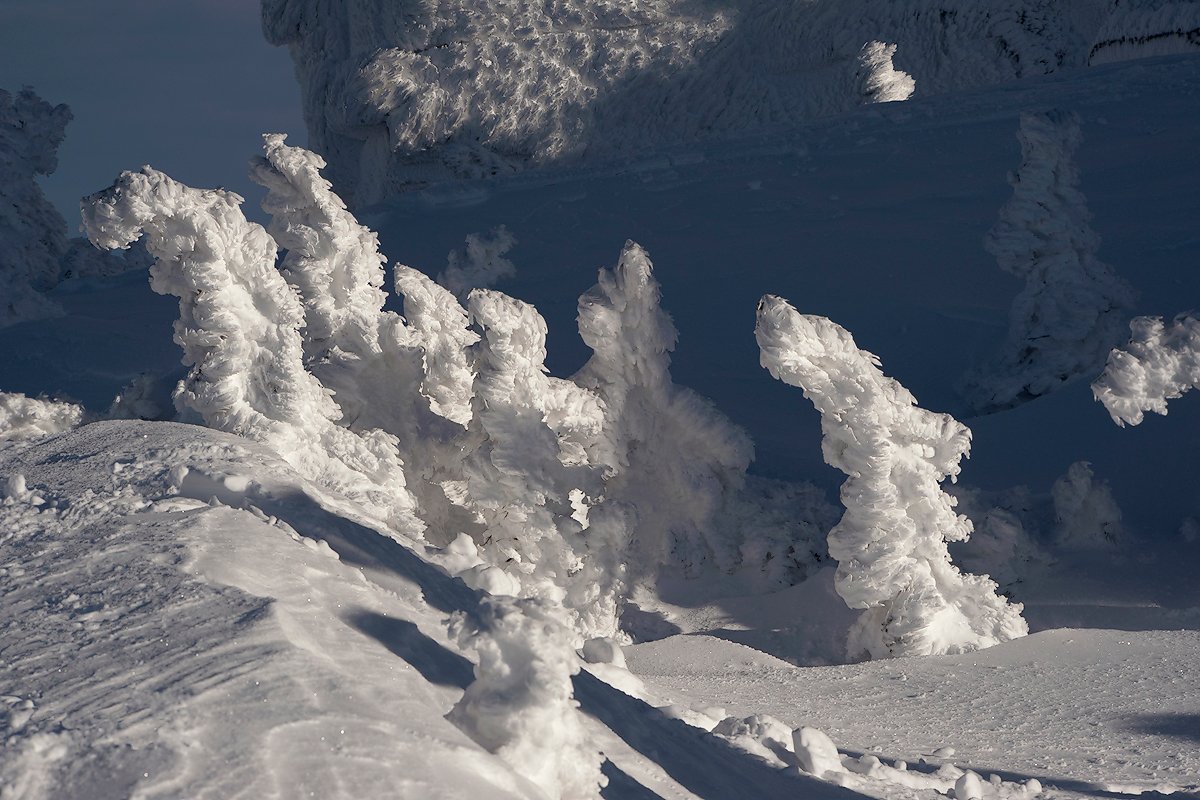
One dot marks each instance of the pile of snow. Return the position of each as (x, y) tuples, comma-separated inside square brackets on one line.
[(396, 96), (27, 419), (1158, 364), (1073, 307), (891, 543)]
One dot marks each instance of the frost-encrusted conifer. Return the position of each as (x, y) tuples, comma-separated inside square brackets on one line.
[(1085, 513), (521, 705), (1073, 307), (879, 80), (672, 456), (533, 433), (1159, 363), (32, 232), (891, 542), (239, 329)]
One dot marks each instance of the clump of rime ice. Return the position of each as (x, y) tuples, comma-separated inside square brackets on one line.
[(879, 80), (480, 264), (891, 542), (25, 418), (671, 455), (239, 329), (520, 706), (1073, 307), (1158, 364)]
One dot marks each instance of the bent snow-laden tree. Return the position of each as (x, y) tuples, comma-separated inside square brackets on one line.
[(239, 329), (1158, 364), (671, 455), (891, 542), (1073, 307), (406, 380)]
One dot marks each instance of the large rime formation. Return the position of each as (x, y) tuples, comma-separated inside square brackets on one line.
[(520, 706), (403, 379), (672, 456), (1158, 364), (26, 418), (533, 434), (239, 329), (32, 233), (401, 94), (891, 542), (1073, 307)]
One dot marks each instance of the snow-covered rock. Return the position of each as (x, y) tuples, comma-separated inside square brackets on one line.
[(891, 543), (816, 752)]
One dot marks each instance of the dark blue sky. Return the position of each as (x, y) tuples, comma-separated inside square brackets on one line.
[(186, 87)]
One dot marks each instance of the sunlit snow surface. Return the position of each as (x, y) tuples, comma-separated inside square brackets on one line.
[(156, 644)]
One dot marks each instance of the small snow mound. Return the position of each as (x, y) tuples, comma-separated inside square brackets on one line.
[(26, 419), (968, 787), (816, 752)]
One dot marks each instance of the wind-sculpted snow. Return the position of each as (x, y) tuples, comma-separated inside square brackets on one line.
[(1073, 307), (397, 95), (520, 705), (891, 542), (1158, 364), (26, 419), (239, 329), (673, 456)]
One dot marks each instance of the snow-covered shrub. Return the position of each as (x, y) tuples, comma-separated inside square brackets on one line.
[(891, 542), (880, 81), (239, 329), (1073, 307), (1004, 541), (400, 95), (32, 232), (480, 264), (672, 456), (25, 418), (780, 528), (1085, 513), (521, 705), (1158, 364)]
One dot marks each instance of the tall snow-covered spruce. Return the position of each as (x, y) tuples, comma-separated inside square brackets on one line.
[(1159, 363), (671, 455), (891, 542), (239, 328), (1073, 307)]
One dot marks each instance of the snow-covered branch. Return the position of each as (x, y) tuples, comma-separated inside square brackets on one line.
[(891, 542)]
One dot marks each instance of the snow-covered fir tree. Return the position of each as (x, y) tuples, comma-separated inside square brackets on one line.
[(1073, 307), (1159, 363)]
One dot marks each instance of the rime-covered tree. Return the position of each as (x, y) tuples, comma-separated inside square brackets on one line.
[(671, 455), (1073, 307), (1158, 364), (239, 329), (879, 80), (890, 544)]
